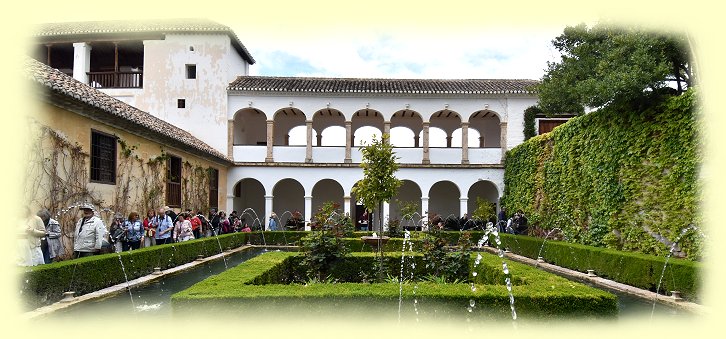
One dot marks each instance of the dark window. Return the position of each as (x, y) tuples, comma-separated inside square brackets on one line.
[(546, 126), (173, 181), (103, 158), (191, 71), (213, 188), (181, 103)]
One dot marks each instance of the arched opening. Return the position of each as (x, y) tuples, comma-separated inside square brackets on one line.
[(249, 194), (408, 193), (447, 121), (284, 121), (365, 123), (288, 199), (329, 124), (487, 123), (250, 127), (406, 125), (327, 190), (485, 190), (444, 202)]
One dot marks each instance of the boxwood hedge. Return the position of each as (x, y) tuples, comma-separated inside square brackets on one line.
[(45, 284), (262, 284)]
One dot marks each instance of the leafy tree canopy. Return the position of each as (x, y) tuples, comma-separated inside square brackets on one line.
[(609, 65), (379, 165)]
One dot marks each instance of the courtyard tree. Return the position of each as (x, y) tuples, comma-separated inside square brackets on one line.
[(610, 65), (379, 183)]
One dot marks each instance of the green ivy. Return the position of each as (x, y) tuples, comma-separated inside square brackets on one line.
[(614, 179)]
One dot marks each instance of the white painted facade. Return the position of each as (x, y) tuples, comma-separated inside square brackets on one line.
[(253, 127)]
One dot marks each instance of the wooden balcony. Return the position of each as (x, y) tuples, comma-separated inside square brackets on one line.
[(116, 79)]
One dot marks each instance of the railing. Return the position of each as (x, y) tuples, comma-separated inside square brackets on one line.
[(116, 79), (336, 154)]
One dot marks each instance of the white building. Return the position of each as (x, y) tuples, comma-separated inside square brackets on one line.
[(450, 135)]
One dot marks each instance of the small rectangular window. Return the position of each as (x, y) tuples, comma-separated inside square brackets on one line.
[(191, 71), (181, 103), (103, 158)]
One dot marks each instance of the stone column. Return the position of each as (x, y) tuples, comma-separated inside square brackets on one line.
[(268, 212), (386, 214), (81, 61), (348, 141), (230, 139), (503, 138), (465, 143), (426, 160), (387, 128), (270, 140), (424, 212), (308, 211), (309, 142), (346, 207), (230, 203), (463, 206)]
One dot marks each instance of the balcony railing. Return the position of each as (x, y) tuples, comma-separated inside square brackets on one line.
[(116, 79)]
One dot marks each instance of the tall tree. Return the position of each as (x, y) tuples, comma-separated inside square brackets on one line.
[(379, 182), (610, 65)]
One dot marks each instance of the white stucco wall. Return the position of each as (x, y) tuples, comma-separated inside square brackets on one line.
[(217, 63)]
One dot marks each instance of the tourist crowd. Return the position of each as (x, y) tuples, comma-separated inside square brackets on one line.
[(40, 240), (40, 237)]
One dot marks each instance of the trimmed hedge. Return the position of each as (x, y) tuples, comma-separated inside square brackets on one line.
[(259, 285), (634, 269), (45, 284)]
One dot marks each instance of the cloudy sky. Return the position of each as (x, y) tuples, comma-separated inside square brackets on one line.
[(421, 52)]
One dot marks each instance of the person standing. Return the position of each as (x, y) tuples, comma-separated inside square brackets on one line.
[(149, 229), (185, 230), (53, 231), (31, 231), (196, 224), (134, 232), (502, 222), (273, 222), (117, 233), (89, 233), (164, 227)]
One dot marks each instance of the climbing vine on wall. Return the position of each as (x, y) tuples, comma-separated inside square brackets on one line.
[(625, 180), (195, 186), (56, 176)]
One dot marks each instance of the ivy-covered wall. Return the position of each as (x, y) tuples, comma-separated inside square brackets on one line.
[(624, 180)]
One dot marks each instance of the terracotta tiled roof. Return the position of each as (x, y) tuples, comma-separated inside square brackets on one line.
[(109, 109), (51, 31), (392, 86)]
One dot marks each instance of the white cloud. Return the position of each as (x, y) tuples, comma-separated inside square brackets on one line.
[(485, 54)]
